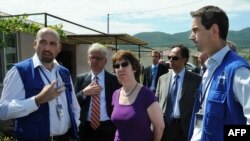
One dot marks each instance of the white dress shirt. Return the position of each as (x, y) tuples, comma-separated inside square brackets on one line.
[(103, 112), (241, 87), (14, 105)]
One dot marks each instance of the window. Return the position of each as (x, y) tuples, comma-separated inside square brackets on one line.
[(8, 53)]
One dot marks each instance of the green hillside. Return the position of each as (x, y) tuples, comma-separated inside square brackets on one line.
[(160, 39), (241, 38)]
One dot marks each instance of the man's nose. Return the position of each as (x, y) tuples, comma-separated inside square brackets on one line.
[(46, 47), (192, 37)]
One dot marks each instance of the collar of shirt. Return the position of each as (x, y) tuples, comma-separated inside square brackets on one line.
[(212, 63), (37, 62), (217, 57), (99, 75), (154, 66), (181, 76)]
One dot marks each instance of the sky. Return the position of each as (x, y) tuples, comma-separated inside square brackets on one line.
[(128, 16)]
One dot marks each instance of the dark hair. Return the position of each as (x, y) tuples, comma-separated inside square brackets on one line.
[(129, 56), (184, 50), (213, 15)]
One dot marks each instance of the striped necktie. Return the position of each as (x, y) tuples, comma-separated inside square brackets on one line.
[(95, 111)]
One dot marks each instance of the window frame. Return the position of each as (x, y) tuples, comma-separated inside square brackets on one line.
[(8, 53)]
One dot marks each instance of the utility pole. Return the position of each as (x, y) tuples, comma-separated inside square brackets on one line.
[(108, 24)]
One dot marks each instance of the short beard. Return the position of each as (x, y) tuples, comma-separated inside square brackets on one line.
[(47, 59)]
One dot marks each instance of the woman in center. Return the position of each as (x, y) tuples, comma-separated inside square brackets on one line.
[(135, 106)]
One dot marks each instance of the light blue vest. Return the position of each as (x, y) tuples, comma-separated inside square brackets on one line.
[(221, 108), (36, 126)]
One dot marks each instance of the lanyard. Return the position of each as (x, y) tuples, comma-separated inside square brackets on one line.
[(59, 107), (41, 70), (203, 95)]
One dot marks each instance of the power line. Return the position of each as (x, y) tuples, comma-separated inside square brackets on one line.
[(158, 9)]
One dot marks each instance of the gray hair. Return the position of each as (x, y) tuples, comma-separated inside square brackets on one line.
[(96, 47)]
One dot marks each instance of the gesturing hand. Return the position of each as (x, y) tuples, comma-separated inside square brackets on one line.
[(49, 92), (92, 89)]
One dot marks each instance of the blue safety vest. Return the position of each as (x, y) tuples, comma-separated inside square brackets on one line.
[(36, 125), (221, 106)]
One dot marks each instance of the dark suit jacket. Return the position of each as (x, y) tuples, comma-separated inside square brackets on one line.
[(147, 76), (111, 84), (197, 70), (191, 83)]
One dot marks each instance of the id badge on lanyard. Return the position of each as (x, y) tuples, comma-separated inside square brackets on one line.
[(59, 107), (200, 113), (199, 118), (59, 110)]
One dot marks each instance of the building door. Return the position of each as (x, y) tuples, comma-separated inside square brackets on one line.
[(67, 58)]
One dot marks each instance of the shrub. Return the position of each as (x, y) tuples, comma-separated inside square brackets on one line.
[(6, 138)]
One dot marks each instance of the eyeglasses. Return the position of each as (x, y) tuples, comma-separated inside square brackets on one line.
[(123, 64), (174, 58), (96, 58)]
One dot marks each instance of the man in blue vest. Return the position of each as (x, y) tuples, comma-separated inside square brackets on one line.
[(38, 93), (223, 97)]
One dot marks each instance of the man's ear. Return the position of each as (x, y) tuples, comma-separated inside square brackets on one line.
[(106, 60), (60, 48), (35, 44), (215, 30)]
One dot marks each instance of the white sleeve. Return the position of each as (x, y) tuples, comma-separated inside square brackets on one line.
[(241, 88), (13, 103), (75, 106)]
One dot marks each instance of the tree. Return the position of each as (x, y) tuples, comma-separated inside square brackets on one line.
[(21, 24)]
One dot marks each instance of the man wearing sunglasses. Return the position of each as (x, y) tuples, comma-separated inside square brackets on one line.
[(176, 91), (154, 71), (94, 93)]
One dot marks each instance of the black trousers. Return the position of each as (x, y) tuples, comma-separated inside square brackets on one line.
[(105, 132), (64, 137), (173, 131)]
